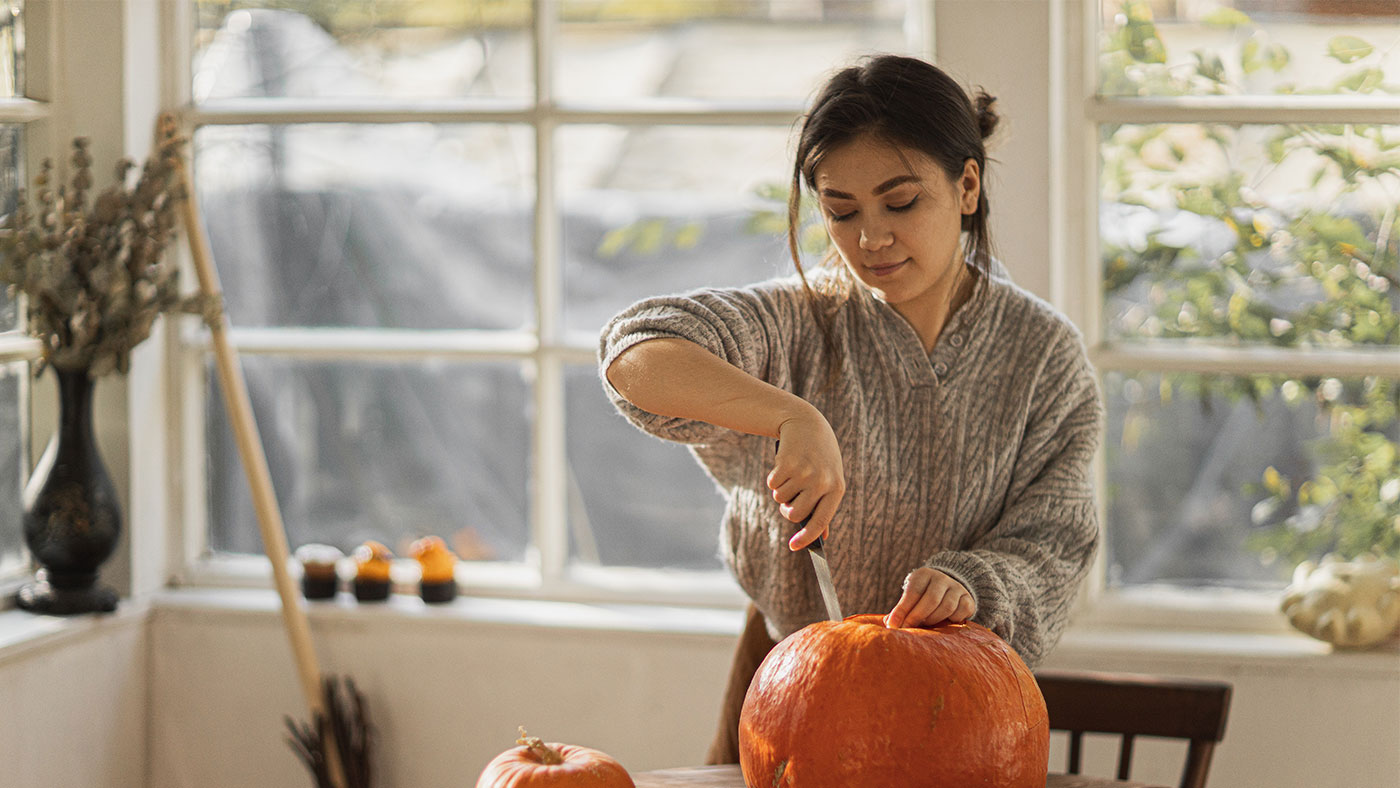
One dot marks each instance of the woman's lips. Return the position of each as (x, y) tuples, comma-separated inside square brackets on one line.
[(887, 268)]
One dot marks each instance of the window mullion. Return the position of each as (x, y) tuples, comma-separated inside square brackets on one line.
[(280, 111), (22, 110), (361, 344), (651, 112), (921, 29), (17, 347), (1087, 280), (1174, 356), (1264, 110), (549, 514)]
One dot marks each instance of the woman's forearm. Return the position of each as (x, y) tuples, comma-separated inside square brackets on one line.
[(680, 379)]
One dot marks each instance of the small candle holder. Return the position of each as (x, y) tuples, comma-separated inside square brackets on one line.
[(318, 576), (372, 561), (439, 565)]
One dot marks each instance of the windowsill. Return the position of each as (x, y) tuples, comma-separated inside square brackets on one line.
[(24, 634), (517, 582), (1191, 649), (406, 610)]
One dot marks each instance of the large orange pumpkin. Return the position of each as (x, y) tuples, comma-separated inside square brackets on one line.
[(855, 704), (535, 764)]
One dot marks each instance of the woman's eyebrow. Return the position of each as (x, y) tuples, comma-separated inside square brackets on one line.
[(898, 180)]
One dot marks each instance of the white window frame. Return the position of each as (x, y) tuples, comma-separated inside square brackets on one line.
[(34, 111), (1078, 283), (548, 349)]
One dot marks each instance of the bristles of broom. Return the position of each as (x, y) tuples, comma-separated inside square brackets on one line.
[(348, 721)]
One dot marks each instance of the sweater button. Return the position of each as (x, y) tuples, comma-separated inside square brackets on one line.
[(956, 340), (940, 369)]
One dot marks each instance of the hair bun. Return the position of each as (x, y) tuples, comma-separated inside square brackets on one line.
[(987, 116)]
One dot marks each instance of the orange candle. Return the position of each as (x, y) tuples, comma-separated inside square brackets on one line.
[(372, 561), (439, 566)]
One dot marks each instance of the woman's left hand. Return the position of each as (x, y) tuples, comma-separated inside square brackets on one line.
[(931, 597)]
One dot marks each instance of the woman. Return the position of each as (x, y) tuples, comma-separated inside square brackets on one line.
[(935, 421)]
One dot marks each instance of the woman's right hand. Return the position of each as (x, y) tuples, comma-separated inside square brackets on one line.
[(807, 478)]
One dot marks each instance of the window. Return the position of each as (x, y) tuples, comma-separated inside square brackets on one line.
[(1247, 193), (15, 350), (422, 215)]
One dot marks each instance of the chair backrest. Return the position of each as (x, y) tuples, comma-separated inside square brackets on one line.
[(1136, 705)]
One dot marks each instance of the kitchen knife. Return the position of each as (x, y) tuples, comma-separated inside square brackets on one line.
[(817, 550)]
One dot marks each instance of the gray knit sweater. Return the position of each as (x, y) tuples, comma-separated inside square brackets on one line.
[(973, 459)]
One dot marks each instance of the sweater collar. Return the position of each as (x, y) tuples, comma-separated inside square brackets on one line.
[(941, 365)]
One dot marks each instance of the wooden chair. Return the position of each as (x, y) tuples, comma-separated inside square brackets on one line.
[(1134, 705)]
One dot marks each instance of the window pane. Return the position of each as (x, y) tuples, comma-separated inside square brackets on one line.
[(12, 464), (12, 49), (716, 49), (11, 181), (634, 500), (11, 167), (380, 451), (370, 49), (650, 210), (1234, 480), (1285, 235), (396, 226), (1174, 47)]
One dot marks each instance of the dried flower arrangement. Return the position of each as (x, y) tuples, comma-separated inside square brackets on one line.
[(93, 273)]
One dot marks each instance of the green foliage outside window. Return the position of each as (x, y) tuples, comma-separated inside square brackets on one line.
[(1318, 267)]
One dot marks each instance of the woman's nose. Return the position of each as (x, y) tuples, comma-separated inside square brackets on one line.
[(873, 237)]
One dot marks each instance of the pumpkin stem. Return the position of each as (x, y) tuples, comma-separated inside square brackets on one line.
[(547, 755)]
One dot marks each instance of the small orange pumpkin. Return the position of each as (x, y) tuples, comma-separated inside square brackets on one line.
[(535, 764), (855, 704)]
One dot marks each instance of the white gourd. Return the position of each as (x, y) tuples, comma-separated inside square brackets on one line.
[(1350, 604)]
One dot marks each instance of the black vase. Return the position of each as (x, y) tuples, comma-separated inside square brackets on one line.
[(72, 517)]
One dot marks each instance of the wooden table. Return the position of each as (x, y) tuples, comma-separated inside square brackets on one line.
[(729, 777)]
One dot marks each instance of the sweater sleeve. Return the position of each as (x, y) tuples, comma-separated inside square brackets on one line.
[(1024, 573), (746, 327)]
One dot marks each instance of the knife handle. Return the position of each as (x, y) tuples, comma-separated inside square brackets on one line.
[(816, 544)]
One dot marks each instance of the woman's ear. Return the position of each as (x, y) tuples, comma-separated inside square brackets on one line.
[(969, 188)]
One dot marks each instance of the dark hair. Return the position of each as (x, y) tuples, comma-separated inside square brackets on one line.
[(906, 102)]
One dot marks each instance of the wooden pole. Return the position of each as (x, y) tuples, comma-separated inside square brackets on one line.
[(250, 451)]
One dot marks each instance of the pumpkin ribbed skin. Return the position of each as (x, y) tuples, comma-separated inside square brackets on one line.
[(854, 704), (582, 767)]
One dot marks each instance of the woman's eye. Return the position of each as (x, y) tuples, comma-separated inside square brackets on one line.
[(840, 217), (904, 207)]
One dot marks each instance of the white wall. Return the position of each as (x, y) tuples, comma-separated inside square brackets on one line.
[(445, 693), (73, 713), (1018, 170)]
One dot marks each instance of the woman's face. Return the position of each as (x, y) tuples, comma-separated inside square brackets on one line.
[(896, 221)]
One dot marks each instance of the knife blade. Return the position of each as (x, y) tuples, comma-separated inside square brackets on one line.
[(817, 550)]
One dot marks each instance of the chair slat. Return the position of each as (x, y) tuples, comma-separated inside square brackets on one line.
[(1125, 756), (1193, 775), (1076, 743)]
